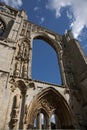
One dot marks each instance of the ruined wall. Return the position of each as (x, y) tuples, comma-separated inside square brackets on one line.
[(19, 92), (8, 37)]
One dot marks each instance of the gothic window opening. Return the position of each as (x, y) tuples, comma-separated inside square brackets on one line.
[(53, 122), (42, 120), (39, 121), (35, 126), (45, 63), (2, 27)]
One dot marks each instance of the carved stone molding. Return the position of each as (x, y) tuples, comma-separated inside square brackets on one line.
[(45, 104), (14, 84), (25, 114), (18, 83), (31, 85), (22, 59), (15, 111)]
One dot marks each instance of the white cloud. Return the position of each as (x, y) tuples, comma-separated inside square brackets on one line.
[(42, 19), (36, 8), (13, 3), (78, 10), (69, 15)]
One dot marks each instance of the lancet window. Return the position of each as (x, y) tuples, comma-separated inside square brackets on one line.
[(39, 121), (42, 121)]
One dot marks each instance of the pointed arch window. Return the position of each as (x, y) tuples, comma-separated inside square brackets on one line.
[(45, 65), (39, 121), (55, 122)]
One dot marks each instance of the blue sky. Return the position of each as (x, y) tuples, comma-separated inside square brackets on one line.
[(58, 16)]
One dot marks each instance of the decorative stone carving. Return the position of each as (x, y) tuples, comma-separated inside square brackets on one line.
[(24, 71), (31, 85), (24, 24), (14, 84), (17, 69), (25, 114), (20, 51), (12, 88), (8, 10), (17, 104), (2, 27), (5, 9), (26, 53), (22, 32), (15, 111), (23, 52), (21, 66), (47, 106)]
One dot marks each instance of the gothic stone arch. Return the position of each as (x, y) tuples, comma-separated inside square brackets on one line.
[(51, 39), (50, 101)]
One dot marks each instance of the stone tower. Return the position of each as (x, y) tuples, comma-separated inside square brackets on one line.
[(29, 104)]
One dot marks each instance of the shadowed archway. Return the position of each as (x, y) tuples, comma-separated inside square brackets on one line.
[(51, 102)]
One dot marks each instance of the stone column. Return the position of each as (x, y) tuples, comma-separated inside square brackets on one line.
[(45, 122), (48, 123), (24, 70), (57, 123), (17, 68), (39, 121), (60, 57), (21, 123)]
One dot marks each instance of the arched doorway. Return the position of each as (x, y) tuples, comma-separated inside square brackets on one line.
[(50, 102)]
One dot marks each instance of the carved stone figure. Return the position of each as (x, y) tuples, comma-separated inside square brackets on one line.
[(24, 70), (17, 68), (25, 115), (15, 111), (17, 101), (47, 106)]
